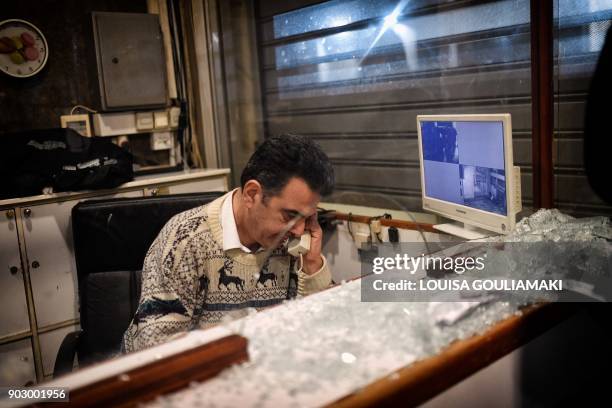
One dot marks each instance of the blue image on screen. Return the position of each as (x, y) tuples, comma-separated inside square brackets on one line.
[(463, 163), (483, 188), (442, 181), (439, 142)]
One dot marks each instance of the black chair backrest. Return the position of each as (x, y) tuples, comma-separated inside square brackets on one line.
[(111, 238)]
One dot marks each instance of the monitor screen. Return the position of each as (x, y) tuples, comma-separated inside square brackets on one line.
[(463, 163)]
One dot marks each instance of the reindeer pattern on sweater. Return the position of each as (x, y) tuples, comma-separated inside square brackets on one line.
[(189, 282)]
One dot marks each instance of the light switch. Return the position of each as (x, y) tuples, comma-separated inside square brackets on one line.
[(175, 114), (161, 119), (144, 120)]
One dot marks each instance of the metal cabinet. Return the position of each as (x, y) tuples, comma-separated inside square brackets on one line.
[(38, 280), (48, 240)]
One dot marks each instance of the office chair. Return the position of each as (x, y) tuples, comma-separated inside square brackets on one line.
[(111, 238)]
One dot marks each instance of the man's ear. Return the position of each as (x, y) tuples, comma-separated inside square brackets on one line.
[(252, 193)]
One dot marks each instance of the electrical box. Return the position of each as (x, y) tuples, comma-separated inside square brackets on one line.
[(130, 60), (151, 137), (162, 141), (125, 123), (79, 123)]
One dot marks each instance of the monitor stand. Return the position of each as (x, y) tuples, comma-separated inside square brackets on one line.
[(462, 230)]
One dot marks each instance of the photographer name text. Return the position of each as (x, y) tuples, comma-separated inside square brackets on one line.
[(488, 285)]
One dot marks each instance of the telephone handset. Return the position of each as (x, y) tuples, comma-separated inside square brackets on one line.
[(300, 245)]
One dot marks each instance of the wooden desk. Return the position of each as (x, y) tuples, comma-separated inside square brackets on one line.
[(407, 386), (417, 381), (424, 379)]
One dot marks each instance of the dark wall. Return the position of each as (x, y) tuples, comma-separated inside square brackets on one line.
[(69, 76)]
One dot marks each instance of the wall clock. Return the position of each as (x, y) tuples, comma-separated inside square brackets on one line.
[(23, 48)]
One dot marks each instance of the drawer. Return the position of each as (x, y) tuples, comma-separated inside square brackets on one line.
[(197, 186)]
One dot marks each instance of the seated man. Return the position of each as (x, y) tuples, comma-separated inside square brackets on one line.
[(231, 254)]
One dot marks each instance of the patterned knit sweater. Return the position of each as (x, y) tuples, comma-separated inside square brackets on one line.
[(189, 282)]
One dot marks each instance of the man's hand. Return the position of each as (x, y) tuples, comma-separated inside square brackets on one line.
[(312, 260)]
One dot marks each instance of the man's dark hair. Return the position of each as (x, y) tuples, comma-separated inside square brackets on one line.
[(280, 158)]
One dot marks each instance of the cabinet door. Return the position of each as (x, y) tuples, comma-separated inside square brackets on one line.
[(13, 300), (17, 364), (199, 186), (49, 345), (48, 236)]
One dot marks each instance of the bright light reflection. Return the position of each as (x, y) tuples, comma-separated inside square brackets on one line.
[(406, 34), (389, 22), (391, 19)]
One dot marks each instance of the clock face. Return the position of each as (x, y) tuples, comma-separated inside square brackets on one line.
[(23, 48)]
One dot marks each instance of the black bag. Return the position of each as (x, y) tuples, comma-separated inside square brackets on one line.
[(61, 159)]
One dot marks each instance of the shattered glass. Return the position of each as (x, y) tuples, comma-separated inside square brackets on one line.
[(315, 350), (553, 225)]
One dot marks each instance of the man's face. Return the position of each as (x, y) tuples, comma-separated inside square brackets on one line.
[(269, 217)]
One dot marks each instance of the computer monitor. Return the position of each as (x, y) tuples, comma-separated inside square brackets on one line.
[(467, 172)]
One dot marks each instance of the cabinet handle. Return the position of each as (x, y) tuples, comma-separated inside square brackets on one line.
[(14, 270), (27, 212), (35, 264), (10, 214), (154, 192)]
